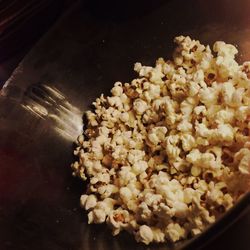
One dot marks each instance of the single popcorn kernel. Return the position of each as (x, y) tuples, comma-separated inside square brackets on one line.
[(119, 217), (145, 234), (195, 171), (168, 154)]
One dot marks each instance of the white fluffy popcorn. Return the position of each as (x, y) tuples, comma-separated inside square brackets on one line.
[(145, 234), (167, 154), (140, 106)]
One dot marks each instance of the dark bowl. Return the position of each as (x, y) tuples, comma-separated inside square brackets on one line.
[(41, 105), (18, 19)]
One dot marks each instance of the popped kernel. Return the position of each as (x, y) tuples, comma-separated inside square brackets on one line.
[(167, 154)]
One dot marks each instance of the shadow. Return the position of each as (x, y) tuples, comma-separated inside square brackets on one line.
[(113, 10)]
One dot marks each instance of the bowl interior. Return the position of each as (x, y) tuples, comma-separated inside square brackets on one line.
[(41, 108)]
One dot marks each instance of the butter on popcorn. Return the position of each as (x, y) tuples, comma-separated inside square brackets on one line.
[(167, 154)]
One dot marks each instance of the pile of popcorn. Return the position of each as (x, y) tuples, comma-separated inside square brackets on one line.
[(167, 154)]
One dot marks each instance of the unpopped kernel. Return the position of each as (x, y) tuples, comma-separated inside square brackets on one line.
[(167, 154)]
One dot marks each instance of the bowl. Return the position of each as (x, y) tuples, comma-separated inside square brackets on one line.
[(41, 106)]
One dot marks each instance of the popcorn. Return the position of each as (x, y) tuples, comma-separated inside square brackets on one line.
[(225, 116), (158, 235), (124, 117), (225, 62), (167, 154), (195, 171), (157, 135), (243, 157), (208, 96), (139, 167), (96, 216), (188, 194), (117, 90), (237, 96), (188, 142), (181, 209), (125, 194), (118, 220), (175, 232), (89, 201), (145, 234), (184, 126), (140, 106), (225, 133), (172, 150)]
